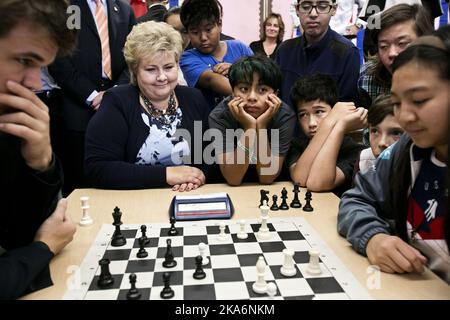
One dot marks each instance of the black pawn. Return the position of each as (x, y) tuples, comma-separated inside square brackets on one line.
[(118, 239), (284, 205), (199, 273), (308, 198), (169, 261), (142, 253), (296, 202), (274, 206), (167, 291), (172, 231), (263, 194), (144, 234), (133, 293), (105, 280)]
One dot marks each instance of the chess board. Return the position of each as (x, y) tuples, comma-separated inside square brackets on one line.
[(232, 263)]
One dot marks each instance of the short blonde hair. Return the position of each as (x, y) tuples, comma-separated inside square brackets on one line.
[(146, 40)]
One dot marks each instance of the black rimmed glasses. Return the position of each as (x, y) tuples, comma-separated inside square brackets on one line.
[(322, 7)]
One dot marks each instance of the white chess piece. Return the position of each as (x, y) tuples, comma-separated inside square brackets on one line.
[(202, 249), (288, 267), (222, 235), (85, 219), (314, 266), (264, 209), (271, 289), (263, 232), (260, 286), (242, 234)]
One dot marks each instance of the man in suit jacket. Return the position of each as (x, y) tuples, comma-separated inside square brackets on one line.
[(83, 77)]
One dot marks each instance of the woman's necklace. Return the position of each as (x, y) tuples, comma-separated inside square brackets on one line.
[(158, 114)]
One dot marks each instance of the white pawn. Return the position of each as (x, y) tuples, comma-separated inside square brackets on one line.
[(85, 219), (314, 266), (264, 209), (202, 249), (271, 289), (242, 234), (260, 286), (222, 235), (288, 267)]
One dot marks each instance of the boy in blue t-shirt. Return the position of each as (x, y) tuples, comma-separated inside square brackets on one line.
[(206, 65)]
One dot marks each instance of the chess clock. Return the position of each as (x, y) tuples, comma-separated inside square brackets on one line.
[(200, 207)]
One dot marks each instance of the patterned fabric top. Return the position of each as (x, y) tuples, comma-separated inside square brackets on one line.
[(163, 146), (369, 83)]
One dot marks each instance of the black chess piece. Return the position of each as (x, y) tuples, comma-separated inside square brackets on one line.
[(133, 293), (284, 205), (263, 194), (142, 253), (167, 291), (274, 206), (308, 197), (172, 231), (169, 261), (296, 202), (199, 273), (105, 280), (118, 239), (144, 234)]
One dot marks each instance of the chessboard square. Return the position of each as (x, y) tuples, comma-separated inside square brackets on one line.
[(228, 275), (194, 230), (307, 297), (214, 230), (284, 225), (255, 227), (165, 232), (248, 260), (188, 278), (301, 256), (290, 235), (176, 278), (155, 293), (276, 271), (214, 239), (324, 285), (331, 296), (272, 246), (153, 232), (117, 254), (274, 258), (199, 292), (304, 267), (231, 291), (250, 238), (193, 251), (176, 251), (246, 248), (151, 254), (151, 242), (189, 263), (250, 274), (129, 233), (110, 294), (116, 284), (195, 240), (160, 268), (142, 265), (224, 261), (294, 287), (221, 249), (145, 294), (143, 280), (297, 245), (176, 242), (115, 267)]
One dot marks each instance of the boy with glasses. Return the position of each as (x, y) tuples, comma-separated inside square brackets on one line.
[(319, 49)]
